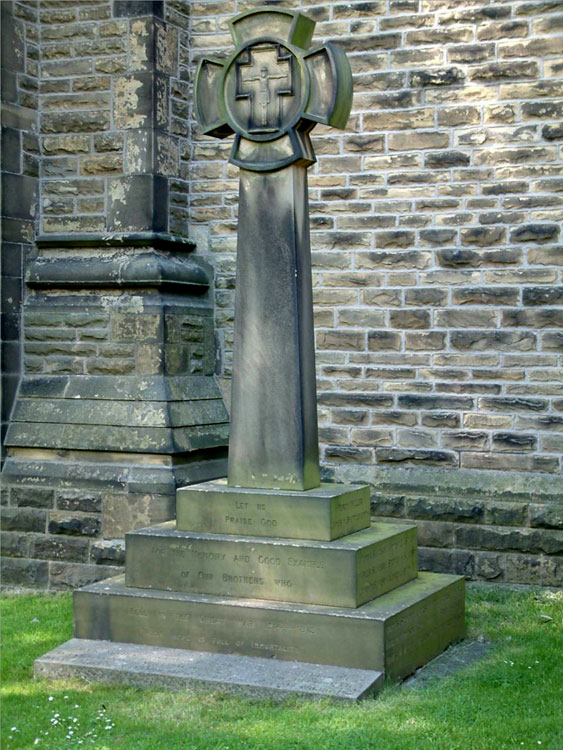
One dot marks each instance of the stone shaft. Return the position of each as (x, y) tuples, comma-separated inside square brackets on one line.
[(274, 437), (397, 632), (324, 513), (344, 573)]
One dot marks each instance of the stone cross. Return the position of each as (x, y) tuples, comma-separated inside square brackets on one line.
[(270, 93)]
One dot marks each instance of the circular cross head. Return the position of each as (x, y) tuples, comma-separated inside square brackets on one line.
[(272, 90)]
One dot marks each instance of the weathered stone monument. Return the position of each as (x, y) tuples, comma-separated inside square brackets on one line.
[(270, 564)]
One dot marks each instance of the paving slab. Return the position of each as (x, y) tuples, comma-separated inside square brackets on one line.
[(182, 669)]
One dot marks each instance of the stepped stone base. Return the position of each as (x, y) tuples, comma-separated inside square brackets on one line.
[(208, 609), (395, 633), (175, 669)]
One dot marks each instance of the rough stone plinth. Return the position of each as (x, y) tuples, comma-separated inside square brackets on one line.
[(346, 572), (118, 405), (176, 669), (324, 513)]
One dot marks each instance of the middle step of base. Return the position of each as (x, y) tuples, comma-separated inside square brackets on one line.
[(346, 572)]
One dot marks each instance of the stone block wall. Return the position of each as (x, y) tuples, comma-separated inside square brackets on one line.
[(486, 525), (114, 116), (113, 336), (436, 232), (53, 538)]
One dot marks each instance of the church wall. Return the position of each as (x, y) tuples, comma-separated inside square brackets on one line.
[(436, 248), (20, 179), (113, 341)]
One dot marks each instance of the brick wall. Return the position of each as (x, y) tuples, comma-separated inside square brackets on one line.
[(435, 233)]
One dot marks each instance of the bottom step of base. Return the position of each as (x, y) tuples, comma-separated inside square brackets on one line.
[(395, 633), (178, 669)]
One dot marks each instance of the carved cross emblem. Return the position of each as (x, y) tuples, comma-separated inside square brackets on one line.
[(272, 90), (265, 77)]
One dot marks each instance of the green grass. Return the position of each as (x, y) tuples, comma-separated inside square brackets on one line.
[(513, 698)]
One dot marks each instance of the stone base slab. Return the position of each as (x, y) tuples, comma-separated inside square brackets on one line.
[(346, 572), (176, 669), (394, 634), (327, 512)]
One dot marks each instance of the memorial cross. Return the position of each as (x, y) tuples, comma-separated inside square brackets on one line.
[(270, 93)]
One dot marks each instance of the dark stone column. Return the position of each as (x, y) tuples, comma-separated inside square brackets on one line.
[(20, 169), (118, 404)]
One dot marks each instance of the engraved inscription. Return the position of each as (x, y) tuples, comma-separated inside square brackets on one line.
[(251, 580), (297, 572), (239, 520), (389, 563), (283, 648), (236, 520), (268, 523), (327, 516), (290, 627), (349, 503), (172, 550), (137, 612), (352, 519), (264, 560), (202, 554), (293, 562), (283, 583)]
